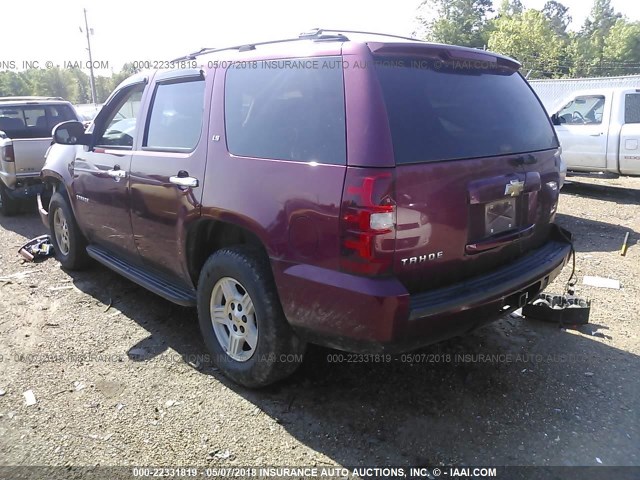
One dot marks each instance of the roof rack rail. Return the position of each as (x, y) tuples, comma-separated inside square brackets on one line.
[(314, 34), (251, 46), (28, 99), (320, 31)]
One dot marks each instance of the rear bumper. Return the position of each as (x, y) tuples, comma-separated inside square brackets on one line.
[(14, 180), (26, 187), (503, 283), (372, 315)]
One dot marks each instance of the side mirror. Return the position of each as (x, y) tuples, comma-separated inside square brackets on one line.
[(71, 133), (555, 119)]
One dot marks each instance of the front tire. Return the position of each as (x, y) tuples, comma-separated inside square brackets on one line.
[(242, 321), (68, 242)]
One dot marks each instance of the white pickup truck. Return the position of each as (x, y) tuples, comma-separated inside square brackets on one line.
[(599, 130), (25, 136)]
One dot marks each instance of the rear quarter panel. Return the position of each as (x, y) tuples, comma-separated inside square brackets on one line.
[(623, 149), (630, 149), (292, 207)]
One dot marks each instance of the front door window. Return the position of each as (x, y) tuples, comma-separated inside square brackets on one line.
[(120, 126)]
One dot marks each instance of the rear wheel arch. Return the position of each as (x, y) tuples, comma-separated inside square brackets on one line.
[(209, 235), (241, 320)]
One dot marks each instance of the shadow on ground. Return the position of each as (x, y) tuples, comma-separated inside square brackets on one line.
[(594, 236), (613, 194), (515, 392), (26, 224)]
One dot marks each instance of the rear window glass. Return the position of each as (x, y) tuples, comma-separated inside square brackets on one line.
[(632, 108), (441, 112), (33, 121), (287, 110)]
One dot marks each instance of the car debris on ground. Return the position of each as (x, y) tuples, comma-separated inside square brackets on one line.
[(29, 398), (37, 248)]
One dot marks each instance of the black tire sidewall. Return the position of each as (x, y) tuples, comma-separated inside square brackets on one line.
[(10, 205), (275, 338), (77, 256)]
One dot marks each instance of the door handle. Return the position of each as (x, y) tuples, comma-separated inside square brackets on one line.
[(117, 173), (595, 134), (186, 181)]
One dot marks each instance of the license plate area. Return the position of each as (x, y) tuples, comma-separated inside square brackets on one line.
[(500, 216)]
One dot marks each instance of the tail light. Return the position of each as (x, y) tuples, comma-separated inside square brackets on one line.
[(368, 217), (7, 153), (561, 166)]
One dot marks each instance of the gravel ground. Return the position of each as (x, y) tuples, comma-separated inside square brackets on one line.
[(117, 379)]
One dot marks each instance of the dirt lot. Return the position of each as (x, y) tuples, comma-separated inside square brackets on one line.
[(114, 370)]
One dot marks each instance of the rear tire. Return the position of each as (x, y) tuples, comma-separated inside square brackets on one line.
[(242, 321), (8, 206), (68, 242)]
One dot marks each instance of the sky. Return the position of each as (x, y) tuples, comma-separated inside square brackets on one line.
[(128, 30)]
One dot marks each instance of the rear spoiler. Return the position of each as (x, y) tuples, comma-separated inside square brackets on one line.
[(445, 53)]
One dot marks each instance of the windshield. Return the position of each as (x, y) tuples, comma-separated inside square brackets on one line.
[(443, 112)]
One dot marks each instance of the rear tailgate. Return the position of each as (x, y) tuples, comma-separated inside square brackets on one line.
[(29, 155), (476, 170)]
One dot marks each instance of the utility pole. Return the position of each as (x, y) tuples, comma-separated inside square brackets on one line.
[(93, 79)]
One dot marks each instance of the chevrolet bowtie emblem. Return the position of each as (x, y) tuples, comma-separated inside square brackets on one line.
[(514, 188)]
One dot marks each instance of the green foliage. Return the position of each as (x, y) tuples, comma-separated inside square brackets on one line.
[(510, 7), (71, 84), (12, 84), (607, 44), (601, 19), (104, 87), (81, 85), (457, 22), (558, 16), (529, 38), (622, 47), (588, 53)]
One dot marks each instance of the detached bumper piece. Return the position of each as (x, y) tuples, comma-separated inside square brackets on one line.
[(37, 248), (561, 309)]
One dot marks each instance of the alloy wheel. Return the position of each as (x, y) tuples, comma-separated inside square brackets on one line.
[(234, 319), (61, 231)]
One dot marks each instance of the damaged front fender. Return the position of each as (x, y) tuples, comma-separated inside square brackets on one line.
[(56, 174), (58, 163)]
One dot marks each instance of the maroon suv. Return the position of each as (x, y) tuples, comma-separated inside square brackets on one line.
[(371, 196)]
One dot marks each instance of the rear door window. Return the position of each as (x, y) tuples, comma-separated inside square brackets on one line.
[(439, 113), (287, 110), (632, 108), (175, 121)]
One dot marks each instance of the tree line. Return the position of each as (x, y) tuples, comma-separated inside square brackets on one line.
[(71, 84), (607, 43)]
